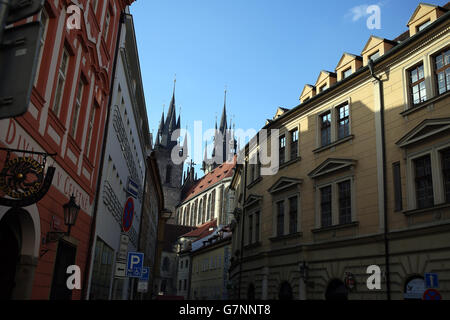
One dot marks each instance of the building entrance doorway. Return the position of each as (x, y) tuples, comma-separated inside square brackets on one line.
[(336, 290), (65, 257), (10, 247)]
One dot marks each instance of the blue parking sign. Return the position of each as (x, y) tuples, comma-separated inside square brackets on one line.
[(135, 264), (145, 274)]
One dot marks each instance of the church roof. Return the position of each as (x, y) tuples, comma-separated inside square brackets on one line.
[(202, 231), (221, 172)]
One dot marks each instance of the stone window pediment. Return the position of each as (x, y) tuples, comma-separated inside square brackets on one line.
[(284, 183), (252, 200), (330, 166), (425, 129)]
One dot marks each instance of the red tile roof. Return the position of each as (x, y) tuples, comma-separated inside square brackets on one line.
[(221, 172), (203, 230)]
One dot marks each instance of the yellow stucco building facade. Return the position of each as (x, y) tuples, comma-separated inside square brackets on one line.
[(363, 179)]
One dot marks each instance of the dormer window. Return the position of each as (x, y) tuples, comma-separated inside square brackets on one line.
[(374, 56), (347, 73), (323, 88), (423, 26)]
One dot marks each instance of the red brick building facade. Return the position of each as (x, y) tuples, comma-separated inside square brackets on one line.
[(66, 116)]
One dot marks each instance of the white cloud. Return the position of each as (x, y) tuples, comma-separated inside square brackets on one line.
[(360, 11)]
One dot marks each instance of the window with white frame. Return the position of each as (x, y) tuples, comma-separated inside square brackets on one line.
[(45, 22), (107, 23), (280, 218), (417, 87), (428, 178), (282, 149), (325, 128), (442, 70), (77, 109), (90, 130), (343, 114), (334, 124), (293, 214), (62, 73), (336, 203), (294, 144)]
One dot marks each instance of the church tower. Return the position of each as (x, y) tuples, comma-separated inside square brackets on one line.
[(171, 174), (225, 144)]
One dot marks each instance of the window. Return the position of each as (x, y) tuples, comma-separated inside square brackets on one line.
[(77, 108), (325, 128), (185, 284), (186, 263), (179, 285), (90, 130), (325, 206), (282, 148), (345, 202), (417, 84), (294, 144), (102, 271), (323, 88), (343, 121), (442, 67), (107, 22), (250, 229), (94, 5), (346, 73), (257, 226), (44, 22), (397, 187), (446, 173), (424, 182), (374, 56), (181, 264), (280, 218), (62, 73), (423, 25), (293, 218)]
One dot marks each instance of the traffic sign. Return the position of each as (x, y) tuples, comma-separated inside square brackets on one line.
[(132, 188), (431, 294), (120, 270), (123, 248), (135, 264), (145, 274), (128, 213), (431, 280), (142, 286)]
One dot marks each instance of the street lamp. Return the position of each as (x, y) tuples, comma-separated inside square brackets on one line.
[(71, 210)]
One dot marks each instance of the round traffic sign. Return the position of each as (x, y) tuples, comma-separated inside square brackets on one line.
[(128, 213), (432, 294)]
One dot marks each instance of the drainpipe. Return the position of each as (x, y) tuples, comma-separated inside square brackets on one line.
[(383, 150), (100, 170), (243, 224)]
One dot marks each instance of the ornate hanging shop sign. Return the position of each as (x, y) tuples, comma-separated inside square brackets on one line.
[(23, 179)]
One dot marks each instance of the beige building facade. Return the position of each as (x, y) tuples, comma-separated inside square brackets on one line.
[(363, 178), (210, 258)]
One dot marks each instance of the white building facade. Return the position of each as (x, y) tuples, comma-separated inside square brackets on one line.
[(123, 174)]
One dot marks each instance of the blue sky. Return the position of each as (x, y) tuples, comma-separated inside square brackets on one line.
[(264, 51)]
